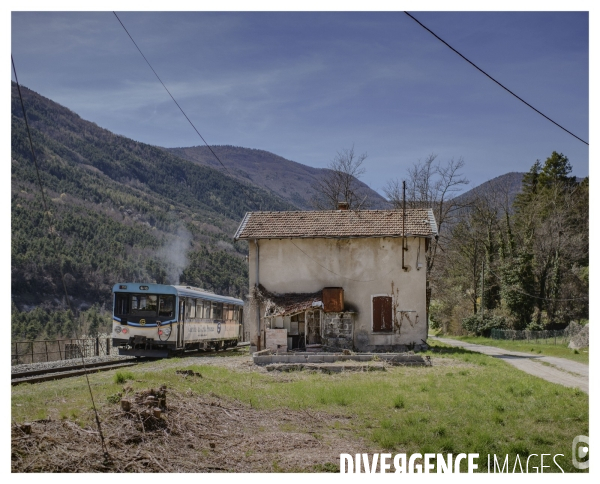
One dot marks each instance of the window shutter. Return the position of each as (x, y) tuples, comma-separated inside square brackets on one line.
[(382, 314)]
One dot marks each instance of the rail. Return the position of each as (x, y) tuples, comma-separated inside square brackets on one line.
[(24, 352)]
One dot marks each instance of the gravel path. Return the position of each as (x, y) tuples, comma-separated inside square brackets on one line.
[(556, 370)]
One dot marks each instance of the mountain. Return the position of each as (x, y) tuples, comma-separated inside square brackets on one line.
[(123, 211), (505, 187), (292, 181)]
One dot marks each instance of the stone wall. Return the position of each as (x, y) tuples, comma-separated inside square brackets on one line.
[(337, 330)]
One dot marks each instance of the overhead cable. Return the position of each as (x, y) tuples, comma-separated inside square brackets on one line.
[(54, 240), (501, 85), (163, 84)]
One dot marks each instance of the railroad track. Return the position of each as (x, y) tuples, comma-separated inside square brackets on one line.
[(37, 376), (47, 374)]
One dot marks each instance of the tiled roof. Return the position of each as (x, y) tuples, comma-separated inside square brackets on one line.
[(336, 224)]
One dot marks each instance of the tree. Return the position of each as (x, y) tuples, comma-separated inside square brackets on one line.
[(431, 185), (94, 321), (341, 184)]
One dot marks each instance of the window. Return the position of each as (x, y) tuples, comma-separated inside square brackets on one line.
[(145, 305), (122, 304), (217, 310), (230, 312), (191, 305), (199, 309), (382, 314), (206, 309), (166, 306)]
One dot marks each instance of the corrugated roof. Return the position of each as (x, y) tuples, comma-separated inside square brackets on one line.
[(336, 224), (290, 303)]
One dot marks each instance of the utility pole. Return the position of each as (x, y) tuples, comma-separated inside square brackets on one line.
[(403, 218)]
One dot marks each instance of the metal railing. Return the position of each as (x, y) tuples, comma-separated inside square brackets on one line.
[(23, 352), (546, 336)]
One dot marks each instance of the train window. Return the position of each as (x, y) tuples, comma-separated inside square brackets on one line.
[(166, 306), (217, 310), (199, 311), (191, 304), (144, 304), (122, 304)]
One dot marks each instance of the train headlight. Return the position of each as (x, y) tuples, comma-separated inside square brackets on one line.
[(167, 331), (117, 329), (124, 330)]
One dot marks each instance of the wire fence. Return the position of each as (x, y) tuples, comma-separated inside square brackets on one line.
[(547, 336), (24, 352)]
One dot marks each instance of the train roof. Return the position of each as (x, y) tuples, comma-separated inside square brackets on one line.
[(185, 291)]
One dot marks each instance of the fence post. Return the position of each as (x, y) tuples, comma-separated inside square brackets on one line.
[(46, 345), (107, 346), (32, 351), (97, 346)]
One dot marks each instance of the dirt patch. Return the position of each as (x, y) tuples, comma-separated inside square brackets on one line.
[(195, 433)]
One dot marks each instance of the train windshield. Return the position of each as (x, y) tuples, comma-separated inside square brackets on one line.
[(145, 305)]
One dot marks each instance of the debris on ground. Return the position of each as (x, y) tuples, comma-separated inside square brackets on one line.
[(193, 433)]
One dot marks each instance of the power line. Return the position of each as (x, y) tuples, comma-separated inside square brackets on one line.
[(501, 85), (163, 84), (54, 241)]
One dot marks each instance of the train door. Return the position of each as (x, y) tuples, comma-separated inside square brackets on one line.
[(181, 324)]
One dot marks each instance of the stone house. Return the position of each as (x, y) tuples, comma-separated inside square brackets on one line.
[(338, 279)]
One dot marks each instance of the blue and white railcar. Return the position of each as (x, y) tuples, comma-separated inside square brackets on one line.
[(160, 320)]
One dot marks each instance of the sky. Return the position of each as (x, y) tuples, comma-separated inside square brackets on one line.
[(305, 85)]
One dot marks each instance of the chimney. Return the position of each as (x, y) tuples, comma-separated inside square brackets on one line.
[(342, 205)]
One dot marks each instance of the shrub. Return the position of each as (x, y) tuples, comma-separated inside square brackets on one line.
[(474, 324)]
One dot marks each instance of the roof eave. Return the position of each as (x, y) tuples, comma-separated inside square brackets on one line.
[(282, 237), (243, 223)]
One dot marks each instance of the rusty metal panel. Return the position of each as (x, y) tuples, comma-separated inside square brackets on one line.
[(333, 299), (382, 314)]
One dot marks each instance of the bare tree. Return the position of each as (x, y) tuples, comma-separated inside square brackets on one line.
[(341, 184), (431, 185)]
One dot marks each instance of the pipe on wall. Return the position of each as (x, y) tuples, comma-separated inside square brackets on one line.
[(257, 300)]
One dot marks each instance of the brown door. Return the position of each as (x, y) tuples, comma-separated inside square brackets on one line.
[(382, 314)]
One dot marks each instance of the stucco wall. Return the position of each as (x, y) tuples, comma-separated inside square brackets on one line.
[(364, 267)]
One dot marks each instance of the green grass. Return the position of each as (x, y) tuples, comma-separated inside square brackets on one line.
[(547, 348), (123, 376), (466, 402)]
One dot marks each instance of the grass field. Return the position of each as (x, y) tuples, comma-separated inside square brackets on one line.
[(547, 348), (465, 402)]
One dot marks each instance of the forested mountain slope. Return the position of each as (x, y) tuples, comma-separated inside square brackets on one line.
[(123, 211), (292, 181)]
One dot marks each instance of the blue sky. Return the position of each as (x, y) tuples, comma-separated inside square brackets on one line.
[(304, 85)]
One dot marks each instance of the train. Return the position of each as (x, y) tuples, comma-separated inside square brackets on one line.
[(159, 320)]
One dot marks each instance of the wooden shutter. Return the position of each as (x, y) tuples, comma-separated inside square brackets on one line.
[(382, 314)]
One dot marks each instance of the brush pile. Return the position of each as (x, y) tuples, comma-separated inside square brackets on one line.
[(193, 433)]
